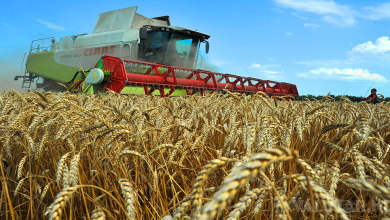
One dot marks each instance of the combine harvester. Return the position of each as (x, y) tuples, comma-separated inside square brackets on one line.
[(131, 54)]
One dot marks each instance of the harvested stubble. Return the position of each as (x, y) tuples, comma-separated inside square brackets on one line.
[(146, 157)]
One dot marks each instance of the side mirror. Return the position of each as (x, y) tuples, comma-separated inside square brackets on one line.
[(207, 47), (143, 32)]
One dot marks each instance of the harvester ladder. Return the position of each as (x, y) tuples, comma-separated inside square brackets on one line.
[(26, 76), (26, 80)]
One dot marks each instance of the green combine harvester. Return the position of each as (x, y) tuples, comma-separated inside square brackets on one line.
[(128, 53)]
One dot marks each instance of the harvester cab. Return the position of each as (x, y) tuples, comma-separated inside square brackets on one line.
[(170, 45), (131, 54)]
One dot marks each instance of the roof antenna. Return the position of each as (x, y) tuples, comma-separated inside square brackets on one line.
[(248, 72), (345, 91), (370, 87)]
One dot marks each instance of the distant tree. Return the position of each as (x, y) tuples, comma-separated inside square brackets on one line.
[(337, 98)]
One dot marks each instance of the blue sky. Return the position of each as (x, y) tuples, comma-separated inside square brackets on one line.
[(321, 46)]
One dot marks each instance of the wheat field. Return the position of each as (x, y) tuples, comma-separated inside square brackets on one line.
[(67, 156)]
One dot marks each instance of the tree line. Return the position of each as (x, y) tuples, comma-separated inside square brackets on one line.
[(337, 98)]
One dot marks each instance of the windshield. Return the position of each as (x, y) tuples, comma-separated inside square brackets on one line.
[(173, 49)]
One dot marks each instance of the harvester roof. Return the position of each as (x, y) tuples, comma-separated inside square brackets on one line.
[(128, 18), (180, 30)]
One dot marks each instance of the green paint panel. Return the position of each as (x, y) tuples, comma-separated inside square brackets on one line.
[(43, 64), (133, 90), (140, 90), (100, 63), (88, 90), (93, 89)]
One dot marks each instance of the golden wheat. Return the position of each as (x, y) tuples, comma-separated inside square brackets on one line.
[(146, 157)]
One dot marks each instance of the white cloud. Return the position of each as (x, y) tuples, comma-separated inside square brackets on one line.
[(255, 65), (267, 72), (377, 13), (341, 21), (272, 72), (343, 74), (288, 33), (334, 13), (381, 46), (8, 26), (311, 25), (301, 17), (51, 25)]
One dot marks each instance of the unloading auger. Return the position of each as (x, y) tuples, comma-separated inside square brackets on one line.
[(139, 77)]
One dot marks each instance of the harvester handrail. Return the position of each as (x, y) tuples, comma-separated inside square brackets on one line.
[(45, 38), (42, 47), (33, 48)]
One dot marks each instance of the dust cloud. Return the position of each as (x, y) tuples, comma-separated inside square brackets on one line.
[(209, 66), (8, 72)]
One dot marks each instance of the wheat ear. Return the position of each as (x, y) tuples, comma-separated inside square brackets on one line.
[(311, 171), (58, 204), (359, 167), (331, 146), (322, 195), (20, 184), (200, 181), (20, 166), (370, 187), (160, 147), (74, 170), (98, 214), (184, 204), (333, 179), (126, 152), (60, 167), (45, 189), (331, 127), (245, 171), (129, 196), (259, 202), (244, 203), (279, 210)]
